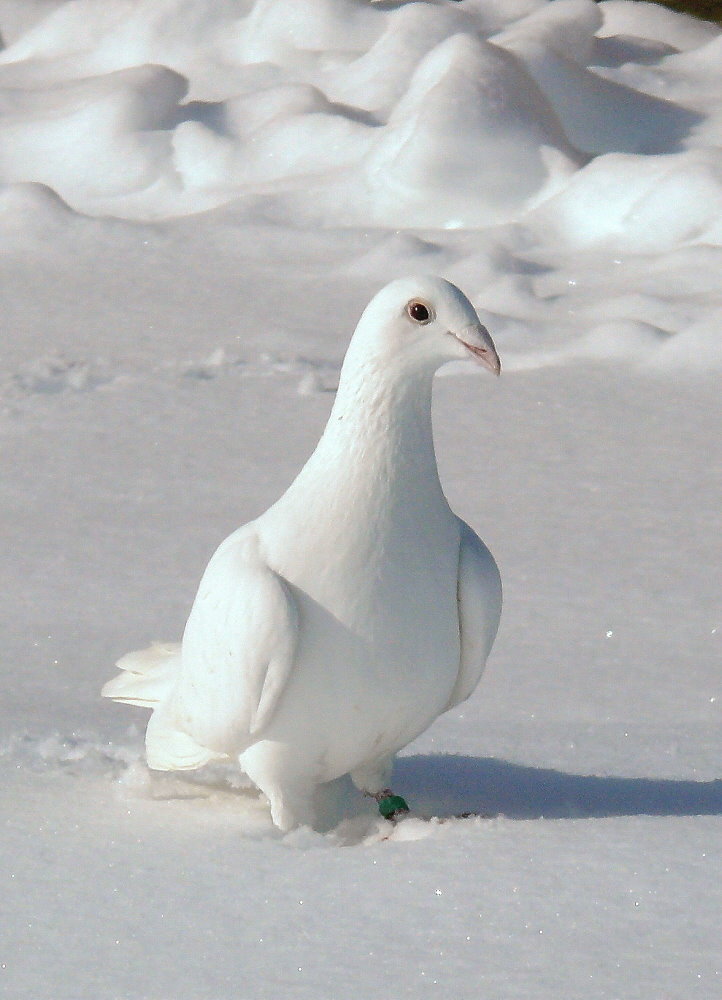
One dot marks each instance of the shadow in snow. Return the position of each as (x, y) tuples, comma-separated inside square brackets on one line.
[(212, 114), (450, 785)]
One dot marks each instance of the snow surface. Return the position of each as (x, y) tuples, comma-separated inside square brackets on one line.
[(198, 199)]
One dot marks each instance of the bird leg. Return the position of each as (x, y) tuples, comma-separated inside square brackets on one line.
[(372, 779), (391, 806)]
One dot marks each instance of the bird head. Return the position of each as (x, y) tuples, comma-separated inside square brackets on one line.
[(424, 322)]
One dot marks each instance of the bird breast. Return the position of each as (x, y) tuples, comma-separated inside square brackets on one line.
[(379, 649)]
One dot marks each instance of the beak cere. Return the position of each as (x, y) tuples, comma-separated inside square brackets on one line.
[(477, 340)]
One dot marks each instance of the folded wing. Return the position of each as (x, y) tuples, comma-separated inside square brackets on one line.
[(237, 654), (479, 602)]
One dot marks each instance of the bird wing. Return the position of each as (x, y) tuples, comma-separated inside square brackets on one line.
[(479, 602), (239, 648)]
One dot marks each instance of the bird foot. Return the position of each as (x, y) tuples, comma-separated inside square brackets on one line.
[(391, 806)]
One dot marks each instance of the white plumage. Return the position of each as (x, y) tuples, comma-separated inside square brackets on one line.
[(332, 630)]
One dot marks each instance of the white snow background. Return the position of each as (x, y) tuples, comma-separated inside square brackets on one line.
[(198, 198)]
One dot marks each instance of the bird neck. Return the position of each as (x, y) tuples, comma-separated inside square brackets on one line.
[(378, 402), (379, 441)]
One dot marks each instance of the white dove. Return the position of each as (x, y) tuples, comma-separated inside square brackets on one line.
[(332, 630)]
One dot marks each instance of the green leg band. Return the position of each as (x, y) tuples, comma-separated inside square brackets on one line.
[(392, 805)]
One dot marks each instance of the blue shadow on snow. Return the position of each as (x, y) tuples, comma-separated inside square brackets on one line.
[(450, 785)]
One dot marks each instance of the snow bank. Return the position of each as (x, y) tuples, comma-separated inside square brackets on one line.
[(556, 126)]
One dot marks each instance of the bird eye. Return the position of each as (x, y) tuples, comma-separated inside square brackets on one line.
[(419, 311)]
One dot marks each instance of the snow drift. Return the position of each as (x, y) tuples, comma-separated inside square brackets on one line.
[(566, 135)]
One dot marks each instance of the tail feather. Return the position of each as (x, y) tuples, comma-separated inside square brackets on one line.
[(147, 675), (147, 678), (168, 748)]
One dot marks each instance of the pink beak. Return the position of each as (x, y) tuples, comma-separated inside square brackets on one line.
[(477, 340)]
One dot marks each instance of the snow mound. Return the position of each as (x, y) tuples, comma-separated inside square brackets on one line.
[(470, 142), (31, 209), (91, 138), (638, 205)]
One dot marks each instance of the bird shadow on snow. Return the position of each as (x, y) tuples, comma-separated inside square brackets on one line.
[(452, 785)]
